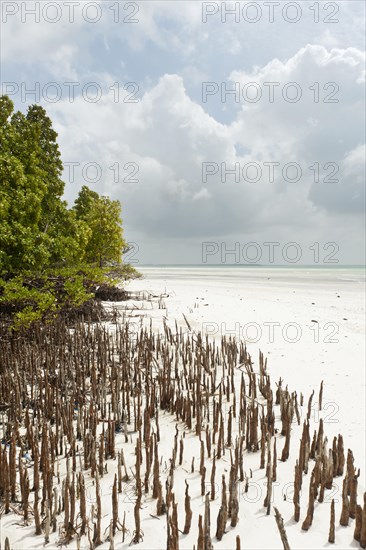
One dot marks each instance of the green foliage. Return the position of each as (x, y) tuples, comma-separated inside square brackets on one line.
[(42, 241), (103, 218), (34, 297), (22, 244), (30, 189), (84, 202), (122, 272), (26, 301)]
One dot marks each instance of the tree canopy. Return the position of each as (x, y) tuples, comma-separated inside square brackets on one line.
[(105, 241), (38, 231)]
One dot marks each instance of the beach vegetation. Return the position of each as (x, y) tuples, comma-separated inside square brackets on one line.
[(52, 257)]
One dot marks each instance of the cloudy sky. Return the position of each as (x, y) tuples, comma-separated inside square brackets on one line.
[(212, 122)]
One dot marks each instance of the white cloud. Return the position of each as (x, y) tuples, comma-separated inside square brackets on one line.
[(168, 134), (203, 193)]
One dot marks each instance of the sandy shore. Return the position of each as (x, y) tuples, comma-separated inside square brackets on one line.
[(275, 310), (310, 326)]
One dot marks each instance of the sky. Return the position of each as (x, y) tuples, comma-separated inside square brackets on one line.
[(231, 132)]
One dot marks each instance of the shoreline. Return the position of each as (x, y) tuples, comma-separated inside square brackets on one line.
[(189, 305), (231, 304)]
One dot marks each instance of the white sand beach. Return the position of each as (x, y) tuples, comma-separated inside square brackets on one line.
[(323, 310), (244, 302), (310, 323)]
